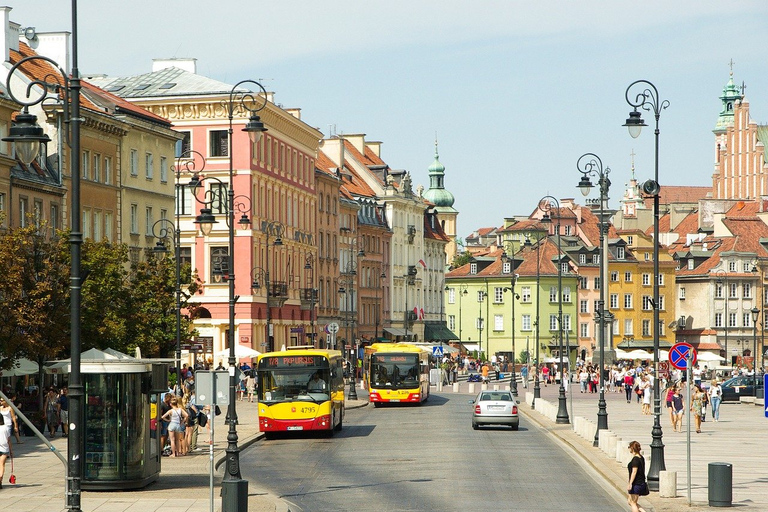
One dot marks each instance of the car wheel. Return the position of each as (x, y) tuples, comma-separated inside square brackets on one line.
[(515, 427), (475, 426)]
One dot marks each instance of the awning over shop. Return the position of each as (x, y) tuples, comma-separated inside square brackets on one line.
[(632, 344), (395, 331), (438, 331)]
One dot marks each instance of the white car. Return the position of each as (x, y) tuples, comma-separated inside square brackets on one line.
[(494, 408)]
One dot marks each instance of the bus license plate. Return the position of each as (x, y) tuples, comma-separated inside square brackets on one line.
[(394, 400), (296, 427)]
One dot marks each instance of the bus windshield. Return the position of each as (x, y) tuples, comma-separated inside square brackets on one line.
[(394, 371), (294, 384)]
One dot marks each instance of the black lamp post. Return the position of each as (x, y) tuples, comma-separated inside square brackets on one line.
[(722, 278), (350, 274), (515, 297), (755, 315), (234, 489), (311, 292), (379, 293), (161, 230), (588, 165), (27, 137), (536, 382), (546, 203), (481, 295), (648, 99)]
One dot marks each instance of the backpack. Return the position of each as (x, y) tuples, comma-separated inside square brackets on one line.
[(202, 418)]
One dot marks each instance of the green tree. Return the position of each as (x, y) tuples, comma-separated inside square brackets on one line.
[(34, 309), (461, 259)]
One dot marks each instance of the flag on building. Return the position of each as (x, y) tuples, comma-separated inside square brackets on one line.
[(423, 264)]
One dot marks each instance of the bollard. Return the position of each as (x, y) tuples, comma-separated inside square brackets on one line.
[(471, 388), (455, 387), (495, 387), (720, 484), (484, 386), (668, 484)]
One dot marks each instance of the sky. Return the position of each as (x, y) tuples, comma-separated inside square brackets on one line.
[(513, 91)]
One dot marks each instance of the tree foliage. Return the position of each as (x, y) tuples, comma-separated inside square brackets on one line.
[(126, 302), (461, 259)]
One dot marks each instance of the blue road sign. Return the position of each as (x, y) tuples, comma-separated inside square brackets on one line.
[(678, 355), (437, 351)]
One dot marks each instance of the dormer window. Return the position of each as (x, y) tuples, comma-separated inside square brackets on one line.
[(731, 266), (582, 259), (506, 267), (620, 253), (473, 268), (691, 264)]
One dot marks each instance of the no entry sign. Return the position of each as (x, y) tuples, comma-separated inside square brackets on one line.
[(678, 355)]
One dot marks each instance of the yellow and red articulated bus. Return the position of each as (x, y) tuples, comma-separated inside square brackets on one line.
[(300, 389), (397, 372)]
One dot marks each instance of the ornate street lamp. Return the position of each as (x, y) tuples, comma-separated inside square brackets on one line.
[(27, 136), (162, 229), (536, 382), (722, 279), (505, 259), (755, 315), (234, 489), (350, 275), (648, 99), (545, 204), (310, 293), (274, 230), (588, 165)]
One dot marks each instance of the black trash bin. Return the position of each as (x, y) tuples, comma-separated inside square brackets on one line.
[(720, 485)]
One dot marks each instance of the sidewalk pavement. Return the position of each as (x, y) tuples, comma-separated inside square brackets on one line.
[(183, 484), (739, 438)]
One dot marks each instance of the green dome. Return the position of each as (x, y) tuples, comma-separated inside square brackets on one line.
[(437, 193)]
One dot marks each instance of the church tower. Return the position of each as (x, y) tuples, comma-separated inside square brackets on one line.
[(443, 201), (741, 171)]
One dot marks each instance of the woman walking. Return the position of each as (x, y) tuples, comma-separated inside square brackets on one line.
[(715, 393), (697, 405), (9, 418), (645, 385), (636, 486), (5, 448), (679, 407), (176, 417)]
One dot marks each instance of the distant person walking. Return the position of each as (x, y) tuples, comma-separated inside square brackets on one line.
[(51, 408), (697, 405), (679, 406), (9, 420), (715, 393), (524, 373)]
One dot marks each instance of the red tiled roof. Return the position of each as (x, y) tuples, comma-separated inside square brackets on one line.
[(679, 194), (42, 70)]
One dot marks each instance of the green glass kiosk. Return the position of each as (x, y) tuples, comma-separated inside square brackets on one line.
[(121, 446)]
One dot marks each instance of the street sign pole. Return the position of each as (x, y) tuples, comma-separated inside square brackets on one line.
[(689, 361)]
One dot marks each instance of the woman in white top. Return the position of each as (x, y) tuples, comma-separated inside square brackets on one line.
[(715, 393), (5, 448), (9, 417), (177, 417)]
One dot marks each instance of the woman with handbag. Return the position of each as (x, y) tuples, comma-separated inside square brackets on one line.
[(636, 486)]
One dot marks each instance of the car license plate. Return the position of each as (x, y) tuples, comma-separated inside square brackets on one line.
[(295, 427), (495, 407)]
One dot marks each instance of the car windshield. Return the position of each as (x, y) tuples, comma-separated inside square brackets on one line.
[(496, 397), (395, 371), (299, 384)]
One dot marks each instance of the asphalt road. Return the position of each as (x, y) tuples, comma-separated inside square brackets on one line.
[(424, 458)]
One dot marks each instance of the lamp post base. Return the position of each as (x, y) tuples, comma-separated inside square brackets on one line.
[(513, 383), (657, 455), (562, 408), (353, 389), (602, 417), (234, 495)]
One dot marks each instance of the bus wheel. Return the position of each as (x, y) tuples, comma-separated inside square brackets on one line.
[(377, 404), (269, 435)]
